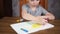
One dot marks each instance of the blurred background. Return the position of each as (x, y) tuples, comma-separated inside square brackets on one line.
[(11, 8)]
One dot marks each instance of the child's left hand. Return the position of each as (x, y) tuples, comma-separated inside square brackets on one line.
[(42, 19)]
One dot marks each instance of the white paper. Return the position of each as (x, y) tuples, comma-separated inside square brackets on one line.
[(28, 26)]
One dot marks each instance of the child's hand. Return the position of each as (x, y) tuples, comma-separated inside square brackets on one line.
[(41, 20)]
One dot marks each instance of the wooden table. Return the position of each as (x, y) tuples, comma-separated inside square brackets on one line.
[(6, 29)]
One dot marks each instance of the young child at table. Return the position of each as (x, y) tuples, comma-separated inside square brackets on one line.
[(33, 11)]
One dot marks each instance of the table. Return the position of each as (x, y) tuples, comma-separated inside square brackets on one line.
[(6, 29)]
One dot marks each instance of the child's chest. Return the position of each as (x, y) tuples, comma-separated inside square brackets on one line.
[(34, 11)]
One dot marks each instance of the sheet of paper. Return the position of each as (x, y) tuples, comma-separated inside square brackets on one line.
[(28, 27)]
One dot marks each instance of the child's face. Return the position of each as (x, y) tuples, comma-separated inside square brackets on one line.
[(34, 2)]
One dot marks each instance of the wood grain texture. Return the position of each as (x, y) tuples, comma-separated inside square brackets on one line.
[(6, 29)]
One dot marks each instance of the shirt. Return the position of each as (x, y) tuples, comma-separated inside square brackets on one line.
[(38, 12)]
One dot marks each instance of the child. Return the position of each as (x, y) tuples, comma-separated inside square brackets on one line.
[(33, 11)]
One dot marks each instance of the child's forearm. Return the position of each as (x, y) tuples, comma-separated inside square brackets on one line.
[(29, 17), (47, 17)]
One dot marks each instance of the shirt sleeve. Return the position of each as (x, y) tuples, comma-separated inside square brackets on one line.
[(24, 7), (44, 11)]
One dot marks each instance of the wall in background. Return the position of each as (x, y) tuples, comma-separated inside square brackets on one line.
[(16, 8), (54, 7)]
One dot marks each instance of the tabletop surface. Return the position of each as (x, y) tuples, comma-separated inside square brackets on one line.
[(6, 29)]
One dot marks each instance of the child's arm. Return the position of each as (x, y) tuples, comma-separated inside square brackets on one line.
[(47, 15), (39, 19), (50, 16), (27, 16)]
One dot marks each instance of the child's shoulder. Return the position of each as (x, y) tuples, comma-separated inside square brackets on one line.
[(24, 5), (41, 6)]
